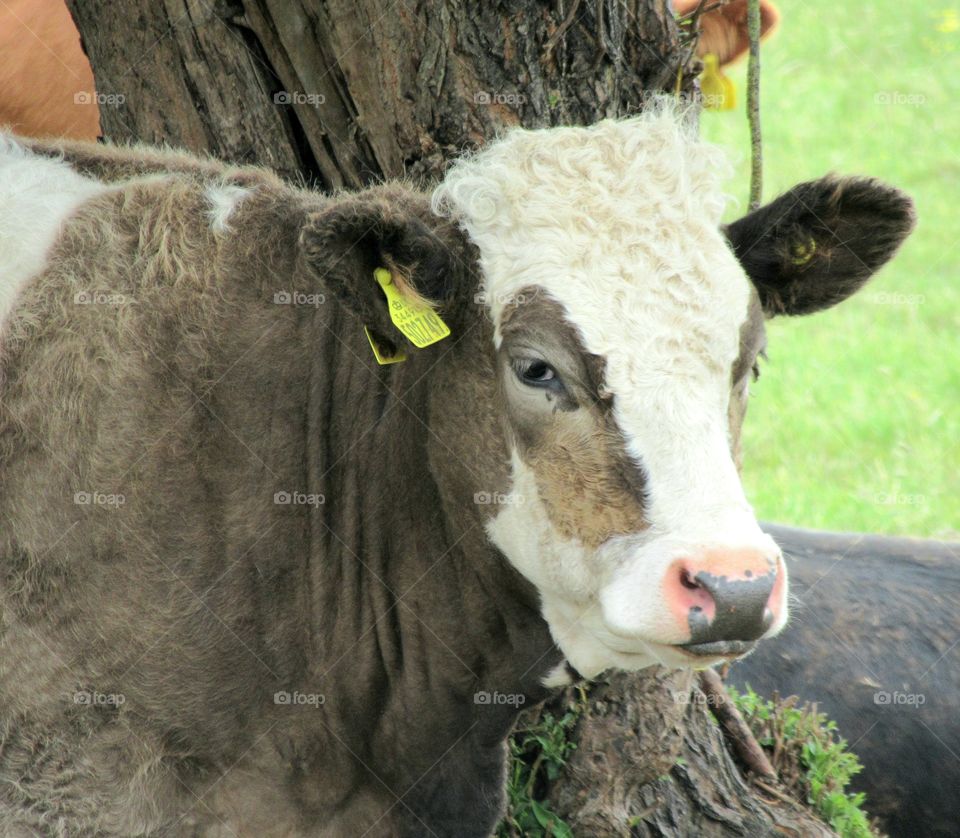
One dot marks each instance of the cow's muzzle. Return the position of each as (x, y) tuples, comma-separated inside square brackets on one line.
[(727, 598)]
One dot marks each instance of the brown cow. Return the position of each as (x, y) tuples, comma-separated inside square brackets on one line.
[(252, 583), (46, 84), (723, 30)]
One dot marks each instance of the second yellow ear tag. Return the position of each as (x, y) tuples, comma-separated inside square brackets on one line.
[(717, 90), (802, 252), (421, 325), (382, 353)]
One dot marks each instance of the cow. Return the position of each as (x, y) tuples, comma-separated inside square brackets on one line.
[(880, 660), (723, 28), (46, 84), (254, 582)]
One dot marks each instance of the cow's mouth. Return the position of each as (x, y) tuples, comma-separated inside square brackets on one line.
[(719, 648)]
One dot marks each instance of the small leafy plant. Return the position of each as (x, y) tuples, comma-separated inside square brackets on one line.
[(810, 757), (538, 751)]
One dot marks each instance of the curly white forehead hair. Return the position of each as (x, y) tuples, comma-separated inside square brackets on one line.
[(558, 202)]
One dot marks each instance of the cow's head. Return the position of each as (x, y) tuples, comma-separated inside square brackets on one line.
[(626, 325)]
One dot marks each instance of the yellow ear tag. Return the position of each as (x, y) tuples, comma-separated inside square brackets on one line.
[(717, 90), (381, 353), (421, 325)]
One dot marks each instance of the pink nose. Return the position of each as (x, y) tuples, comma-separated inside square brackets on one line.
[(725, 594)]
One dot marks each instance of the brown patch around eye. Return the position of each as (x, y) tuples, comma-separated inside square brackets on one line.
[(582, 483), (590, 487)]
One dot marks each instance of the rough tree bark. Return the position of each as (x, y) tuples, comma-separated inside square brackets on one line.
[(375, 87), (651, 761), (344, 93)]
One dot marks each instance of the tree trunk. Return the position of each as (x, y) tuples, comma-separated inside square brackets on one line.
[(345, 93), (348, 92), (650, 761)]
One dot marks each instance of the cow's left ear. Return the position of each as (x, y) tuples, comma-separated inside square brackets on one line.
[(345, 242), (820, 242)]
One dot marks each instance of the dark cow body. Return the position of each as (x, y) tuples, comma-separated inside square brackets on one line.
[(875, 622)]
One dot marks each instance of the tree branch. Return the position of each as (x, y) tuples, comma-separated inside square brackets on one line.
[(753, 104)]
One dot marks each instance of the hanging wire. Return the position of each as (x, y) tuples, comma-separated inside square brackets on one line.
[(753, 104)]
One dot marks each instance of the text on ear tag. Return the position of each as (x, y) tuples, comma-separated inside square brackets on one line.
[(421, 325)]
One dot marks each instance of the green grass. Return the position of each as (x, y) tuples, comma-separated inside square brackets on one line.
[(855, 423)]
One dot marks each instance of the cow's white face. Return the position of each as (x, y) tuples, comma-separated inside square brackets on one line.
[(626, 331)]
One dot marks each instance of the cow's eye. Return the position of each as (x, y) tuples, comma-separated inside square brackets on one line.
[(536, 373)]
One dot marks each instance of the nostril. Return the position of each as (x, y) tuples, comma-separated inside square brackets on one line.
[(690, 596), (687, 580)]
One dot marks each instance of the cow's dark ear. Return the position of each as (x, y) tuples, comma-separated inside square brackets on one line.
[(344, 243), (820, 242)]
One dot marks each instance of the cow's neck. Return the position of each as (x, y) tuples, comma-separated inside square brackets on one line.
[(436, 614)]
